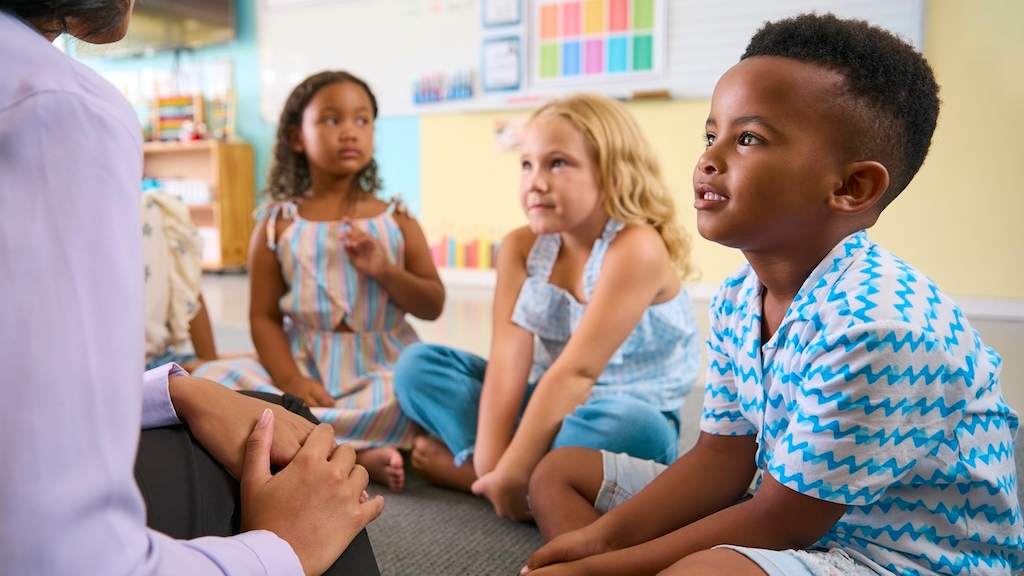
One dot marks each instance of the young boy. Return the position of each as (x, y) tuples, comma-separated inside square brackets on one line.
[(858, 390)]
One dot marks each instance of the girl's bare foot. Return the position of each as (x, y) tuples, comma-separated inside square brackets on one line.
[(436, 463), (384, 465)]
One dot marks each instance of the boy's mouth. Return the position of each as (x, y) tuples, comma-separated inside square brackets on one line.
[(712, 196), (708, 193)]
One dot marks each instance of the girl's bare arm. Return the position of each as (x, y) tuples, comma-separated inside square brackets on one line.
[(416, 288)]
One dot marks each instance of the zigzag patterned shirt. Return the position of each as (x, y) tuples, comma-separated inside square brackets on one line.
[(874, 392)]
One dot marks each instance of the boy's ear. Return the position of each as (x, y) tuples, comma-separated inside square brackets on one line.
[(295, 140), (863, 187)]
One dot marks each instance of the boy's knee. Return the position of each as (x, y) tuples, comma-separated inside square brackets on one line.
[(553, 468), (571, 467)]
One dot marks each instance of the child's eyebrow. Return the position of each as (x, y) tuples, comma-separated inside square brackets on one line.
[(743, 120), (554, 152), (336, 110)]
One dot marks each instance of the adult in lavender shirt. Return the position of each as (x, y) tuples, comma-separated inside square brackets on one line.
[(71, 348)]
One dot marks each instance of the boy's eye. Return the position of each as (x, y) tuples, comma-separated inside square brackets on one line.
[(526, 165), (709, 139), (558, 162), (330, 121), (748, 139), (362, 122)]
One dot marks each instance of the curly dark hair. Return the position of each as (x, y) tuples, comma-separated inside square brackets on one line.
[(891, 97), (289, 173), (102, 15)]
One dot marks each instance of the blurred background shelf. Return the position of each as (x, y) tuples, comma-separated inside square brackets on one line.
[(216, 179)]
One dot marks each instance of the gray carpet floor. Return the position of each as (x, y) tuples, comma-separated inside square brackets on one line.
[(431, 530)]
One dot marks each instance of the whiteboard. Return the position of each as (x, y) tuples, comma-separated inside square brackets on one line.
[(392, 43)]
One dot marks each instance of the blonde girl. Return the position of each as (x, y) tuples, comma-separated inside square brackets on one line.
[(595, 342)]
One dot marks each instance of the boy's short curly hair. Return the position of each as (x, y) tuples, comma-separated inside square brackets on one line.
[(891, 99)]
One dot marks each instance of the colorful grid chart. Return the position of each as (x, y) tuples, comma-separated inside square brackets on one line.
[(586, 38)]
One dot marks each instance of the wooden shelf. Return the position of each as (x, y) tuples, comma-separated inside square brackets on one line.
[(225, 222)]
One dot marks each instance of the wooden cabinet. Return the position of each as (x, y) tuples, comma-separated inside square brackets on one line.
[(221, 181)]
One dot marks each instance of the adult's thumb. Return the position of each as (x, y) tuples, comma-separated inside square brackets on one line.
[(257, 450)]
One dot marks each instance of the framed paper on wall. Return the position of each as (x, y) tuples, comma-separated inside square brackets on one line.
[(502, 64), (501, 12)]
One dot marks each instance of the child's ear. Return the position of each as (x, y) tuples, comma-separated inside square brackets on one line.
[(295, 140), (863, 187)]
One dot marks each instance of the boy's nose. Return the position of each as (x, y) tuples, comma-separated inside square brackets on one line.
[(706, 163)]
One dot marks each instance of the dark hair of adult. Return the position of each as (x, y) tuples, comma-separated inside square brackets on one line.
[(53, 15), (289, 174), (891, 98)]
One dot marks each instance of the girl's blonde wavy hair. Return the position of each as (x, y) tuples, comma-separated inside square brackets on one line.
[(629, 173)]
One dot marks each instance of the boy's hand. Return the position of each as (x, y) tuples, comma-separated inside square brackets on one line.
[(365, 251), (566, 569), (312, 392), (570, 546), (506, 493), (317, 503)]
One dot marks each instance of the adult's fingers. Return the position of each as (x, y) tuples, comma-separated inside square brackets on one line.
[(345, 456), (373, 507), (319, 444), (256, 467)]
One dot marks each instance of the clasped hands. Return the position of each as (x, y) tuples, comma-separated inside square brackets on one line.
[(317, 502)]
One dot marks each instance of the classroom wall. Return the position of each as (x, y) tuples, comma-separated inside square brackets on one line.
[(397, 137), (958, 221)]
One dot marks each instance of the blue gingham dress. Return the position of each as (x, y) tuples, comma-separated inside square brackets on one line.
[(657, 363)]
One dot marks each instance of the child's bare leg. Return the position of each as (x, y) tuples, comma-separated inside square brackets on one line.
[(436, 463), (385, 466), (563, 489)]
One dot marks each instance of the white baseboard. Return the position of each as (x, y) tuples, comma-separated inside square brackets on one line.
[(981, 308), (992, 308), (468, 278)]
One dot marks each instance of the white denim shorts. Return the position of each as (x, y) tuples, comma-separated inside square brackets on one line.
[(624, 476), (833, 562)]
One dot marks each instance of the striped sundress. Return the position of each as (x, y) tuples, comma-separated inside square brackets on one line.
[(324, 291)]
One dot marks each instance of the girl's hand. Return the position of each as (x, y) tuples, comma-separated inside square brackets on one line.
[(312, 392), (365, 251), (507, 494), (568, 547)]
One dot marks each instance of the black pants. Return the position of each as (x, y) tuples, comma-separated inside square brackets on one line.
[(188, 494)]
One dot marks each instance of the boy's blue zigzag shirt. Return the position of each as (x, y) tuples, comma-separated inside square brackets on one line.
[(874, 392)]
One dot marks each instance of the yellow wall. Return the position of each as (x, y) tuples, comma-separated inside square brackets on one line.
[(961, 220)]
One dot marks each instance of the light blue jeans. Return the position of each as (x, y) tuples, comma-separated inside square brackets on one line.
[(439, 389)]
